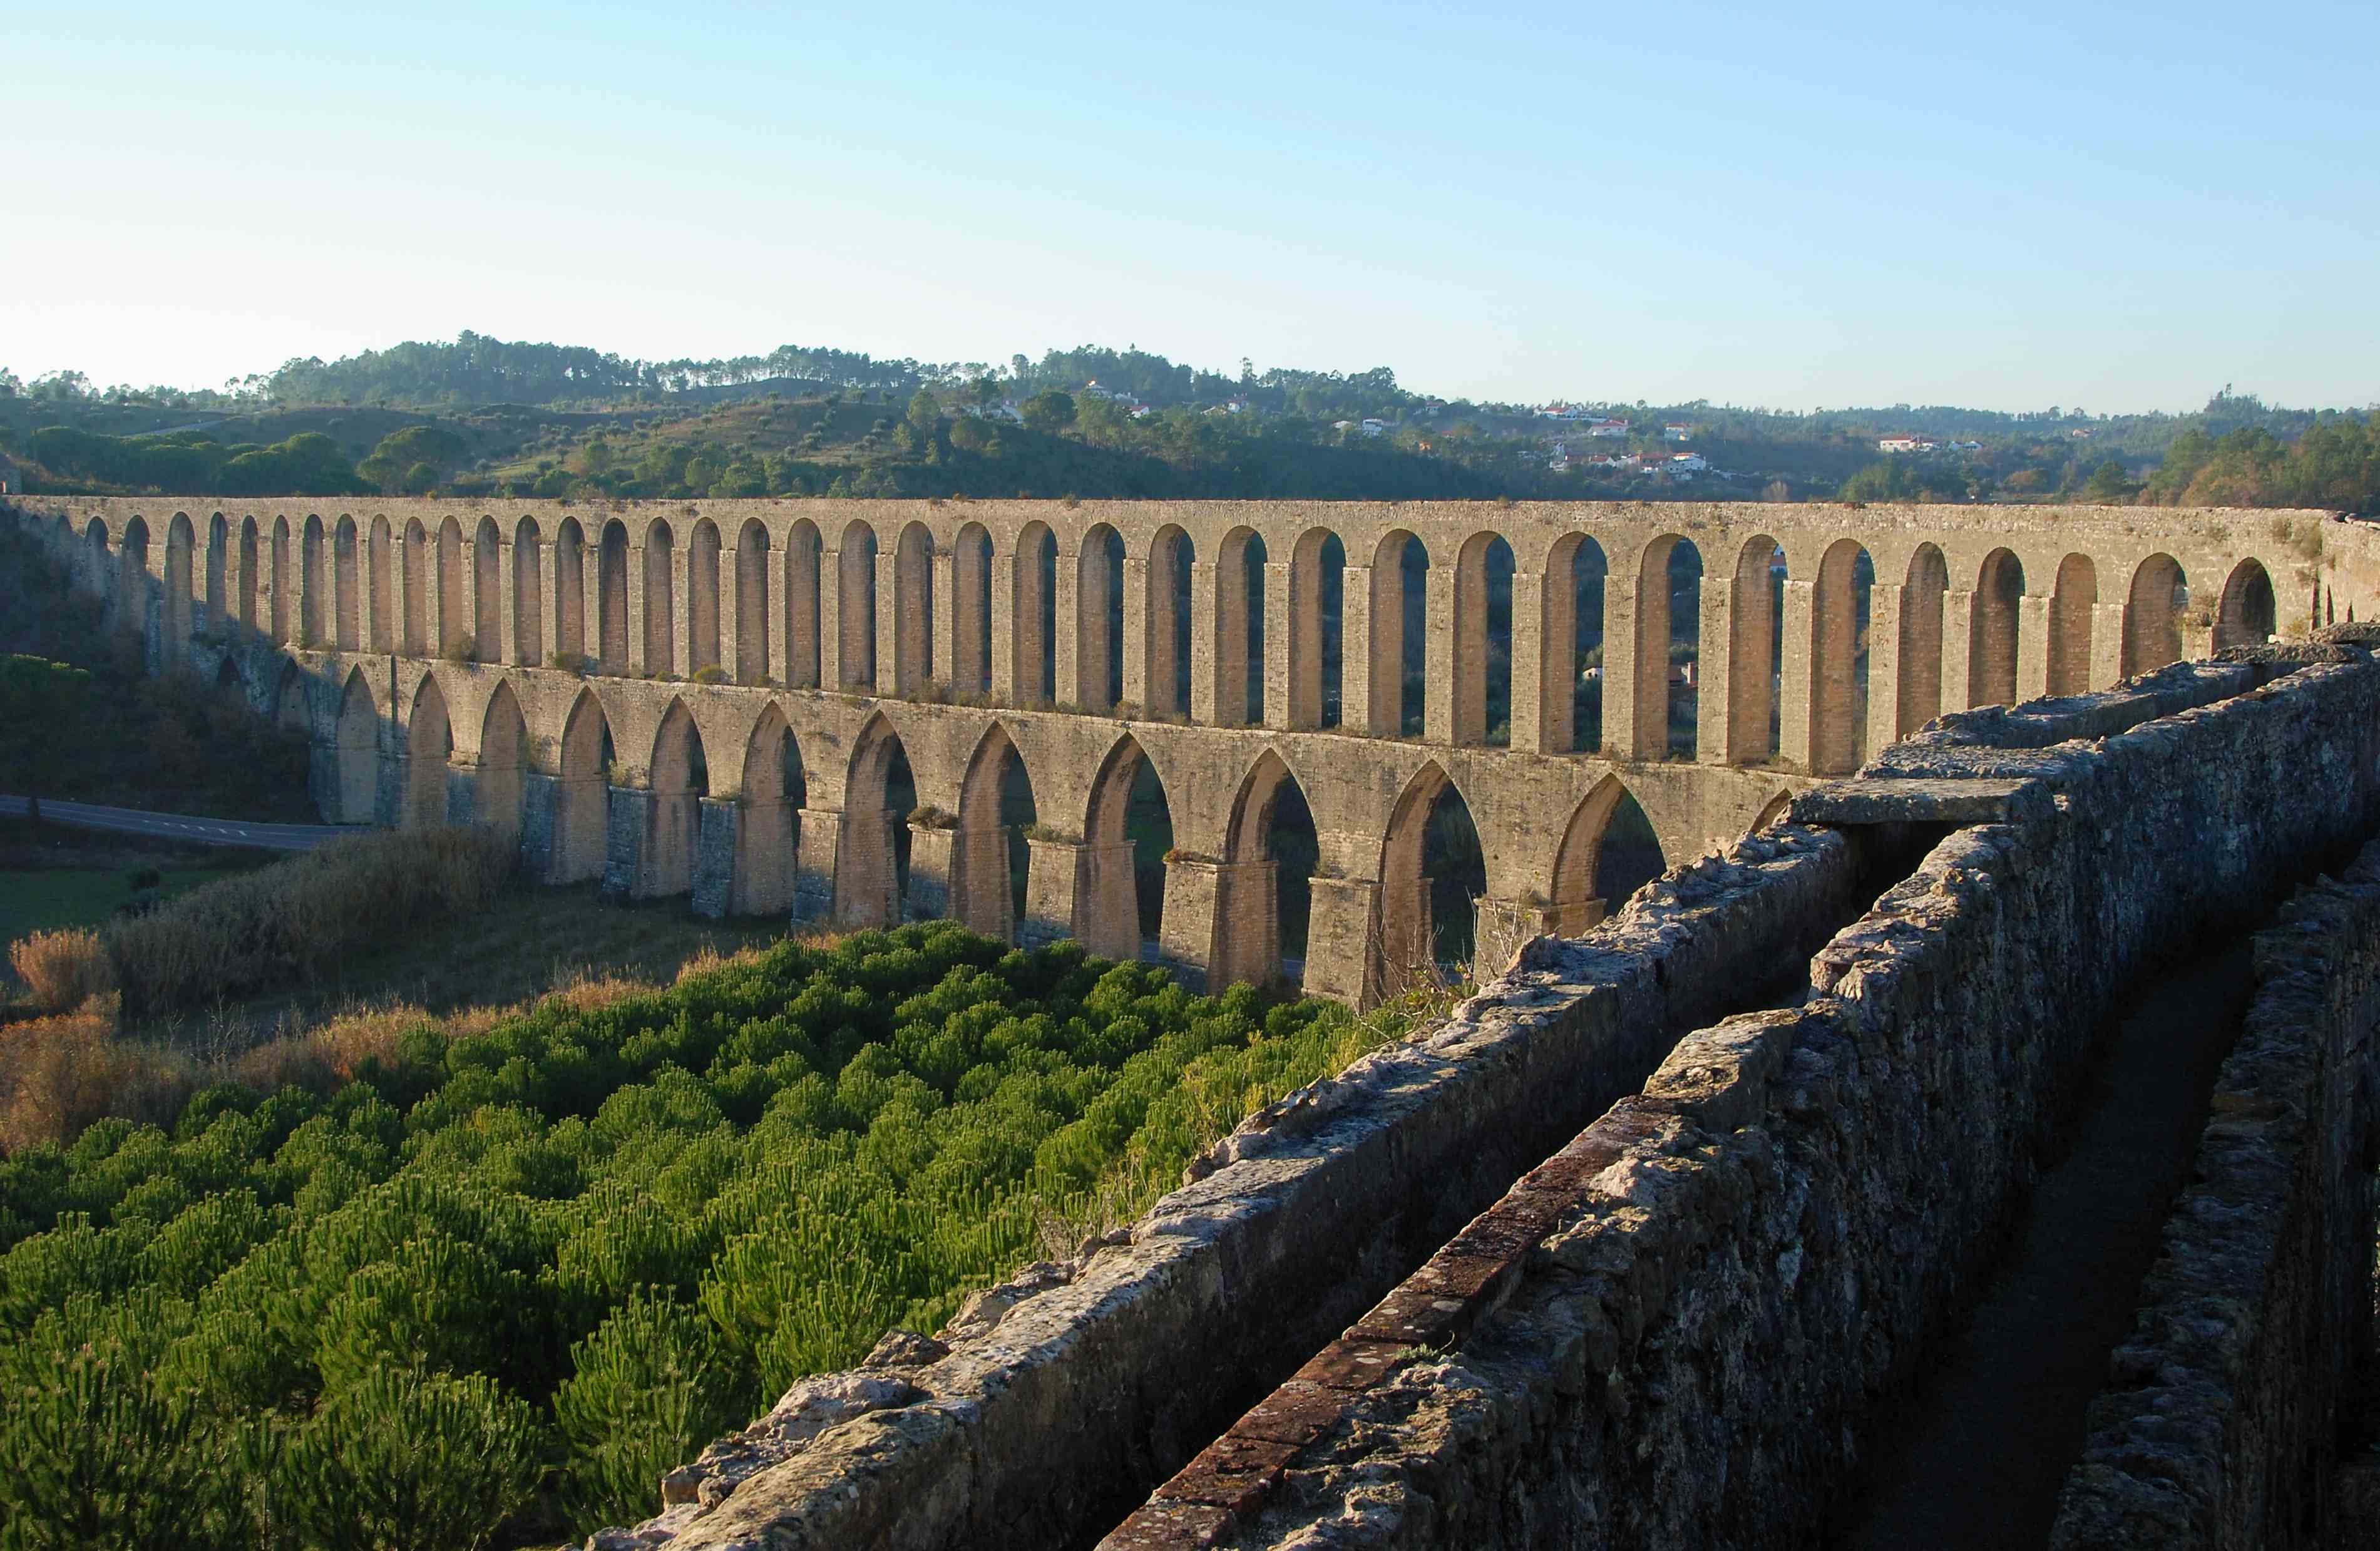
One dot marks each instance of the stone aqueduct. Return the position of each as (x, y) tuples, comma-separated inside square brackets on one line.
[(629, 687)]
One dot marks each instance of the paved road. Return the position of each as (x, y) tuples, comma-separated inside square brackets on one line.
[(175, 826)]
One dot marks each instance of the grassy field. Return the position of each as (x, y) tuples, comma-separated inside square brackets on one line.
[(78, 878)]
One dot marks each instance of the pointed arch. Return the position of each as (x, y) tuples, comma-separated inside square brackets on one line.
[(582, 792), (1773, 811), (2249, 613), (528, 593), (871, 875), (357, 742), (1254, 932), (913, 608), (2072, 607), (1403, 950), (752, 658), (428, 741), (1583, 890), (1127, 831), (1992, 630), (702, 597), (996, 798), (770, 801), (679, 779), (1918, 687), (504, 753)]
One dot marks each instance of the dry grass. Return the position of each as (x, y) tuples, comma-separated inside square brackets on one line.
[(60, 1073), (278, 923), (62, 970)]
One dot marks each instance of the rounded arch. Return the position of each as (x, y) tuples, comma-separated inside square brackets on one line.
[(1166, 640), (1570, 676), (1918, 682), (247, 574), (454, 603), (416, 571), (1315, 612), (99, 565), (181, 547), (660, 600), (2073, 606), (1397, 696), (487, 592), (217, 581), (871, 877), (1263, 897), (1127, 832), (347, 587), (752, 656), (1482, 669), (770, 798), (1839, 659), (313, 582), (582, 792), (856, 606), (380, 585), (528, 593), (1668, 646), (971, 610), (1992, 631), (611, 598), (1239, 655), (2154, 606), (1098, 621), (678, 778), (2248, 614), (132, 577), (702, 597), (913, 608), (503, 752), (803, 548), (1033, 616), (429, 740), (359, 751), (570, 589)]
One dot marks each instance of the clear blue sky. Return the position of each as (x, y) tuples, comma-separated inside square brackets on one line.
[(2115, 206)]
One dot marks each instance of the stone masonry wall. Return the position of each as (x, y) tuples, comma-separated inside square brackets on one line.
[(1676, 1330), (2220, 1422), (1054, 1402)]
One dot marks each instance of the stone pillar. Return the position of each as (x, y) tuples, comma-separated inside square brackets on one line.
[(1211, 686), (1540, 716), (715, 847), (982, 897), (2106, 645), (1958, 649), (1467, 631), (1059, 888), (814, 858), (944, 566), (893, 609), (936, 887), (1145, 657), (627, 817), (1107, 900), (1356, 665), (1439, 650), (1404, 943), (681, 585), (1187, 932), (1619, 685), (867, 880), (1004, 691), (1248, 924), (1717, 672), (1073, 675), (1797, 705), (830, 611), (764, 878), (1883, 666), (639, 659), (539, 839), (1339, 959), (1288, 700), (2197, 640), (2031, 647), (507, 599), (462, 789), (801, 641), (730, 610)]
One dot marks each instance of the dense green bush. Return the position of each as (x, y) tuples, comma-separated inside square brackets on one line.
[(500, 1283)]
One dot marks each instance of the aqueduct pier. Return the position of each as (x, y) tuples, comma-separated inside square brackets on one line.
[(723, 699)]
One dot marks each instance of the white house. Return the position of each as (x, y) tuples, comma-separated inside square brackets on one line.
[(1903, 443), (1374, 427), (1676, 433), (1608, 428), (1687, 462)]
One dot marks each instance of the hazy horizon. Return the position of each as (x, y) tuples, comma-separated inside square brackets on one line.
[(2123, 210)]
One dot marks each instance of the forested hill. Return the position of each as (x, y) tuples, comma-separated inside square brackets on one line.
[(481, 415)]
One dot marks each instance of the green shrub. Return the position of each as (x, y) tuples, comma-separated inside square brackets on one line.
[(402, 1459)]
